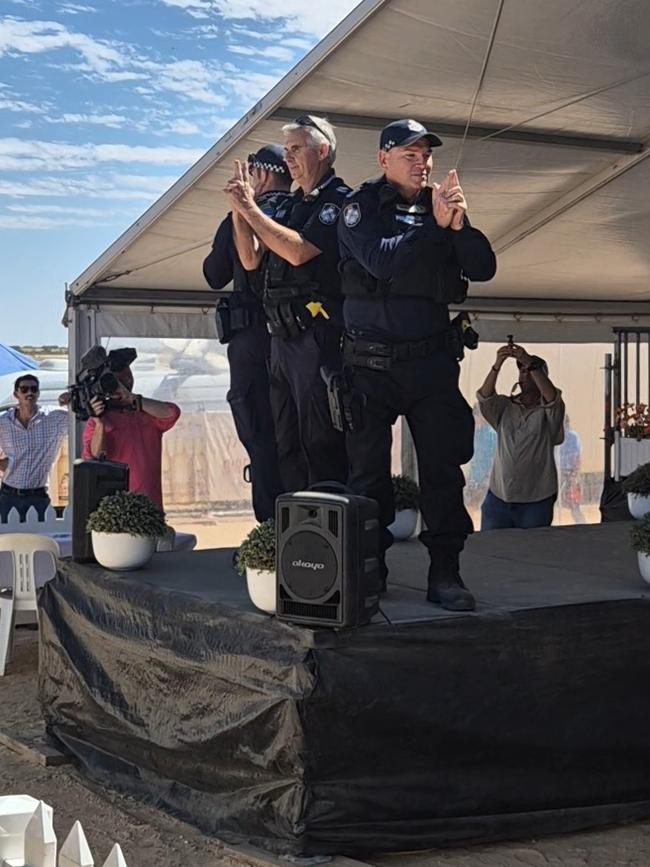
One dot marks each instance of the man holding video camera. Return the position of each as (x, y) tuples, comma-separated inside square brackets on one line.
[(128, 428)]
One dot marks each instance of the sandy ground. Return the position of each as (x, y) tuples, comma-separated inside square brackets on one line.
[(227, 531), (148, 837)]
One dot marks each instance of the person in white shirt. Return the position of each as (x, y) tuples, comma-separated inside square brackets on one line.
[(523, 483), (30, 437)]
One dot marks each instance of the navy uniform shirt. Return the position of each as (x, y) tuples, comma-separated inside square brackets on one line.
[(383, 232), (222, 263), (315, 217)]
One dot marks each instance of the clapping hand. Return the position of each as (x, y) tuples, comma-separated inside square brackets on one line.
[(239, 189), (449, 203)]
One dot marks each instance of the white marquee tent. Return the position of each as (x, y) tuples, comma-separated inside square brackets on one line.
[(554, 164)]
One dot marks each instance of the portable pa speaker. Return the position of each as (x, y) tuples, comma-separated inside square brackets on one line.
[(91, 481), (327, 558)]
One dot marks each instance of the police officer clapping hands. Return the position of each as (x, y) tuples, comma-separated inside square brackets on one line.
[(448, 202)]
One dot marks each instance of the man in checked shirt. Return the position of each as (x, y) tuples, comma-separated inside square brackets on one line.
[(30, 437)]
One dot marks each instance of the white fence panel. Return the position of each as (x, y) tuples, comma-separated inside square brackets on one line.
[(15, 813), (31, 524), (27, 838), (40, 840), (115, 858), (75, 852)]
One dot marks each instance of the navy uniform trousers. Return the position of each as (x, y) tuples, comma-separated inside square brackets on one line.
[(310, 450), (426, 392), (248, 356)]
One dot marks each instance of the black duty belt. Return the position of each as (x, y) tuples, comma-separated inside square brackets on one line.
[(362, 351), (23, 492)]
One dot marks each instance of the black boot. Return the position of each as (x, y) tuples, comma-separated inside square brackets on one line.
[(445, 586)]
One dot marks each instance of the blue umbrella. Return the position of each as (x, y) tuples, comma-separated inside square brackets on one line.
[(12, 361)]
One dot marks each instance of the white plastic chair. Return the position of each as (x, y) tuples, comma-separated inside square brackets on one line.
[(22, 595)]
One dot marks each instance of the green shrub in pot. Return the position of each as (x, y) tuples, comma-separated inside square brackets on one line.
[(638, 482), (257, 551), (406, 493), (127, 512)]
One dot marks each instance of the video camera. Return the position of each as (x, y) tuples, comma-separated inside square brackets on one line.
[(97, 378)]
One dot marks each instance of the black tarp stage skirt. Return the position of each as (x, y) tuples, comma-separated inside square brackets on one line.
[(524, 718)]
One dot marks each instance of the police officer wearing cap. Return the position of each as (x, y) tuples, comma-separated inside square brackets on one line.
[(242, 325), (407, 252), (302, 300)]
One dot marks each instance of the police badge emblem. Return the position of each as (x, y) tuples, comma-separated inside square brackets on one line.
[(351, 215), (329, 214)]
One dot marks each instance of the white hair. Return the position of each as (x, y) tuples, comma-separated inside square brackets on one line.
[(316, 138)]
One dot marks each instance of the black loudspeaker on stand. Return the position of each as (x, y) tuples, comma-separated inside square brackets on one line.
[(327, 558), (91, 481)]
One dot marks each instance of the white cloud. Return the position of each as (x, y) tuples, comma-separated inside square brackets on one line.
[(35, 37), (43, 223), (114, 121), (19, 155), (300, 15), (19, 105), (276, 52), (105, 187), (189, 78), (31, 208), (75, 8), (183, 127), (251, 86)]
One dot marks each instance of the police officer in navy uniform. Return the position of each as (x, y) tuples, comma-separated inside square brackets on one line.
[(241, 324), (302, 300), (407, 251)]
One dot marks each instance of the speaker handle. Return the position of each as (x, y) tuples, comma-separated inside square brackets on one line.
[(331, 487)]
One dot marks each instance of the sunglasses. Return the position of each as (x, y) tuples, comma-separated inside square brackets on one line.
[(308, 120), (27, 388)]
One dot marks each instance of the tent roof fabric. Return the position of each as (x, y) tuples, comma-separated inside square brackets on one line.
[(554, 167), (12, 361)]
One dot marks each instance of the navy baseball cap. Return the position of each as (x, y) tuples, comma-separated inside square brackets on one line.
[(270, 157), (401, 133)]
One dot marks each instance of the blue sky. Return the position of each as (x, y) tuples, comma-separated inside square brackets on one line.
[(103, 105)]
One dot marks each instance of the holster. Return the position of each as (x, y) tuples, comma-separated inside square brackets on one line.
[(462, 336), (286, 312), (231, 315), (345, 404)]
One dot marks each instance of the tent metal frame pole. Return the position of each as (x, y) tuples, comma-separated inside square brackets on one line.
[(457, 130), (607, 427)]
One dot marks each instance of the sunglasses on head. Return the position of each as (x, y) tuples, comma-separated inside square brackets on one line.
[(26, 388), (308, 120)]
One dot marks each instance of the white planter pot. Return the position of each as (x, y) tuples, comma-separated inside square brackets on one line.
[(638, 505), (644, 566), (261, 589), (404, 524), (122, 551)]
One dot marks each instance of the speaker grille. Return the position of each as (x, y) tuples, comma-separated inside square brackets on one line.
[(303, 609)]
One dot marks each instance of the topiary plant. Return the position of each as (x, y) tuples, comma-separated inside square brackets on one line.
[(406, 493), (640, 535), (127, 512), (638, 482), (257, 551)]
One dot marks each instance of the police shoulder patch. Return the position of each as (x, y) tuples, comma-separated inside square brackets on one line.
[(352, 215), (329, 213)]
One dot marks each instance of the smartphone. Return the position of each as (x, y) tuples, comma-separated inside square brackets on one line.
[(510, 341)]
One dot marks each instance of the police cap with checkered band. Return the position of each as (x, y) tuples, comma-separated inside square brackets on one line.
[(269, 157)]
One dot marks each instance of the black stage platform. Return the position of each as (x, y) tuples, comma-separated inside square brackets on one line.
[(528, 716)]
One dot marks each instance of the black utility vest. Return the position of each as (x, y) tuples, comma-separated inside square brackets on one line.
[(431, 271), (320, 276)]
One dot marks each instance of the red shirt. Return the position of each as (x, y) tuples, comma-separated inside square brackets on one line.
[(135, 438)]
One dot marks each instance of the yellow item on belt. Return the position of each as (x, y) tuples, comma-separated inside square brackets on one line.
[(315, 307)]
